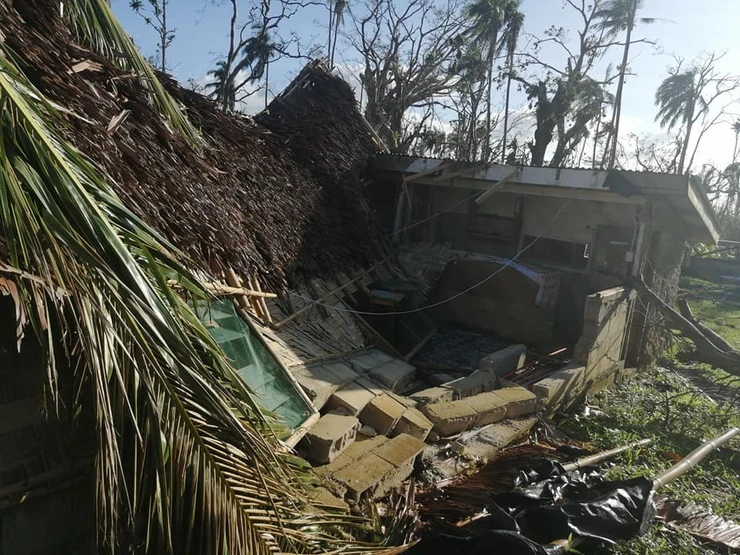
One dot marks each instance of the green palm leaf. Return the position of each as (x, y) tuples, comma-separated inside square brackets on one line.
[(186, 462)]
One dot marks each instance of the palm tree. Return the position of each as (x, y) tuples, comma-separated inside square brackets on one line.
[(186, 461), (614, 17), (736, 130), (336, 18), (488, 21), (222, 86), (679, 99), (514, 20)]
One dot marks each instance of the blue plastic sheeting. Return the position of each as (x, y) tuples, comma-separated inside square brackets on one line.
[(254, 363)]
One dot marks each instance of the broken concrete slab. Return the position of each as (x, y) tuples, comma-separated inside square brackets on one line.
[(414, 423), (451, 417), (321, 381), (504, 361), (361, 447), (561, 387), (490, 408), (353, 397), (365, 475), (382, 413), (394, 375), (432, 395), (519, 401), (331, 435), (477, 382), (490, 441)]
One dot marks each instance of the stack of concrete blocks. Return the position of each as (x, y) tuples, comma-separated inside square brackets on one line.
[(600, 348), (371, 467), (478, 399)]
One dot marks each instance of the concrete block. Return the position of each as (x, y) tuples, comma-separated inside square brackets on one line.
[(504, 361), (324, 499), (365, 475), (353, 397), (519, 401), (560, 388), (414, 423), (361, 447), (490, 408), (382, 413), (432, 395), (451, 417), (331, 435), (477, 382), (489, 442), (400, 450), (395, 375)]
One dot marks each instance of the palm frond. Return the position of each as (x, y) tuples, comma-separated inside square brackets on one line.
[(186, 461), (94, 24), (676, 99)]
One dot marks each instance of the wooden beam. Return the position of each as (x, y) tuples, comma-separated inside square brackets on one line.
[(460, 172), (413, 352), (480, 199), (419, 175), (220, 289)]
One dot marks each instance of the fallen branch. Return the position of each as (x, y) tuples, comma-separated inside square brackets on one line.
[(710, 347)]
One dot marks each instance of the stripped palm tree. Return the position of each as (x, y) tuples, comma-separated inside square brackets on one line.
[(614, 17), (186, 461), (336, 18), (514, 21), (679, 99), (487, 22)]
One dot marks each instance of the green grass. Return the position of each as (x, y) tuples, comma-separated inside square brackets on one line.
[(665, 407), (716, 305)]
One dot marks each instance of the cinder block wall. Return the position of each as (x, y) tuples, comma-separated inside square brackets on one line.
[(600, 347)]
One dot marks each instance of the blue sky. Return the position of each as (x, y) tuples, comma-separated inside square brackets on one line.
[(686, 28)]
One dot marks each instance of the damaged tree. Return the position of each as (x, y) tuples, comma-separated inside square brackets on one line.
[(711, 348)]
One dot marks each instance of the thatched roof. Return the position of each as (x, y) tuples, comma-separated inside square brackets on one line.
[(280, 197)]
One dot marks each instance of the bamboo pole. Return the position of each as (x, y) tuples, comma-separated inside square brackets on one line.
[(604, 455), (261, 300), (692, 459), (233, 280), (413, 352), (227, 290)]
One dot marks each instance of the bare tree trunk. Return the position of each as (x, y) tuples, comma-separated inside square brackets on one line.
[(685, 148), (620, 88), (506, 107), (163, 36), (489, 89)]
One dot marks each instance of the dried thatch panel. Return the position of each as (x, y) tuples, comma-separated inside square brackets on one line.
[(282, 199)]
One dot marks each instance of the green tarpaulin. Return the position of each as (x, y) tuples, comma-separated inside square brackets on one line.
[(254, 363)]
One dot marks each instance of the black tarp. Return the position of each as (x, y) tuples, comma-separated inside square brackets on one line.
[(558, 507)]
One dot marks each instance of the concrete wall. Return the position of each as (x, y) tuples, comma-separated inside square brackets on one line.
[(600, 350), (712, 268), (504, 305), (46, 494)]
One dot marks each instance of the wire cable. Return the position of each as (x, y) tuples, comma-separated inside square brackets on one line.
[(452, 298)]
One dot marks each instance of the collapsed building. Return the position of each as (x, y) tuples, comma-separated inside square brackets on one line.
[(378, 304)]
